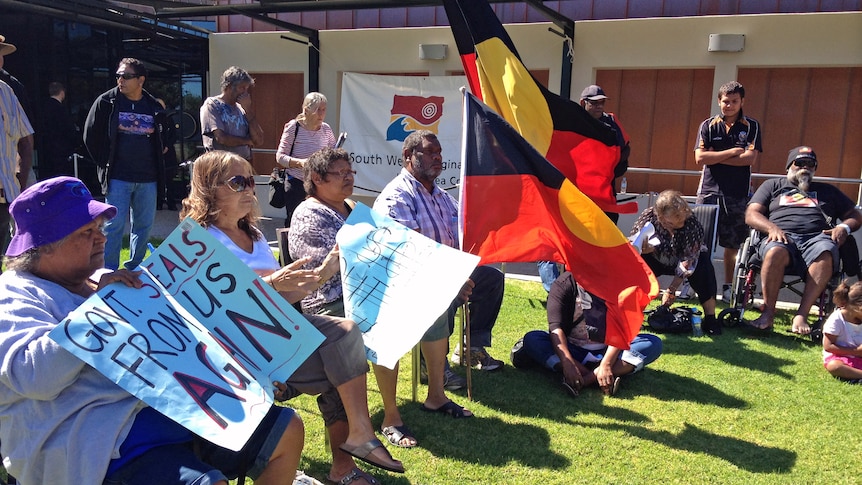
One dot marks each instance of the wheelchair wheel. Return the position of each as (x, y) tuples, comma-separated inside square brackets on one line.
[(742, 291), (817, 332), (730, 317)]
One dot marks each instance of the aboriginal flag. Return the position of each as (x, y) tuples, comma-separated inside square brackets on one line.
[(581, 147), (515, 206)]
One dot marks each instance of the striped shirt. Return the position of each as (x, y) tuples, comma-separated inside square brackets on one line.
[(304, 143), (434, 214), (15, 126)]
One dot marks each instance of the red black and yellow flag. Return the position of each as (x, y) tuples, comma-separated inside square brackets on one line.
[(581, 147), (515, 206)]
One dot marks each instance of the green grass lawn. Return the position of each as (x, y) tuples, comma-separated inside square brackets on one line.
[(729, 409)]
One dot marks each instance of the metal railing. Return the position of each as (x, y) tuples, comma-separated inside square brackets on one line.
[(696, 173)]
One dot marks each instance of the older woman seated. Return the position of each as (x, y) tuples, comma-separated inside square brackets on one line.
[(222, 199), (681, 253), (329, 183), (63, 421)]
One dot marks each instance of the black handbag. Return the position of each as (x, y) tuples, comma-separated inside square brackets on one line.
[(277, 189), (277, 197)]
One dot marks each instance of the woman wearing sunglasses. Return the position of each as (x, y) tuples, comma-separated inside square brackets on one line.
[(222, 200)]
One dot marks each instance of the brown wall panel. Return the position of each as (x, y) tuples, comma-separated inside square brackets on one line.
[(820, 107), (277, 98), (660, 109)]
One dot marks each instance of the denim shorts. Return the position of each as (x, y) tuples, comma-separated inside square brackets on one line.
[(200, 462), (804, 249)]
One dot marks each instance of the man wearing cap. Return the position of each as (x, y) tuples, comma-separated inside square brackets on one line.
[(66, 423), (593, 101), (797, 216), (124, 135), (727, 145)]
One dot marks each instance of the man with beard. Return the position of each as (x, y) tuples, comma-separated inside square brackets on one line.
[(797, 217), (414, 199)]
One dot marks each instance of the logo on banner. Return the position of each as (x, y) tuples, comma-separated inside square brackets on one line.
[(411, 113)]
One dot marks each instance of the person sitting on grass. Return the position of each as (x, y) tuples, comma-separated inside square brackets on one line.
[(574, 343), (64, 422), (222, 199), (842, 334)]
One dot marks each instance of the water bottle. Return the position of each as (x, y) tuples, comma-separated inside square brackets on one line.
[(623, 186), (696, 330)]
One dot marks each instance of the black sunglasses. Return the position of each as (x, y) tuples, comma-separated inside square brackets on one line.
[(239, 183), (126, 75), (805, 163)]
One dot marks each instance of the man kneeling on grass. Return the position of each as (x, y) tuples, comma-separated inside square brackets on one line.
[(574, 343)]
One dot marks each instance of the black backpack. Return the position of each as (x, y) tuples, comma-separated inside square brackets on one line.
[(665, 319)]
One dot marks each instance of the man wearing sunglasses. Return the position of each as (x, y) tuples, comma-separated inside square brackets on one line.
[(800, 220), (124, 134)]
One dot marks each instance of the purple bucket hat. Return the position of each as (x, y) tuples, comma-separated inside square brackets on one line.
[(50, 210)]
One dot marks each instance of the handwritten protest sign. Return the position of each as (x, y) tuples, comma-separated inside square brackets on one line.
[(201, 342), (396, 281)]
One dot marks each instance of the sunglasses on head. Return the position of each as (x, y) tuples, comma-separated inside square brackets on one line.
[(805, 163), (126, 75), (239, 183)]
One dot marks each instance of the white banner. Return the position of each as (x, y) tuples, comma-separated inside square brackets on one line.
[(384, 265), (378, 112)]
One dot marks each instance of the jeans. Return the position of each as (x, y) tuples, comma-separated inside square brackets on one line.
[(140, 199), (537, 344), (549, 272)]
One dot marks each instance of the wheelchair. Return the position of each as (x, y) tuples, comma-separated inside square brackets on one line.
[(744, 286)]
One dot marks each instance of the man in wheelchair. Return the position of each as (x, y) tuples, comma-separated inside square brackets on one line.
[(797, 217)]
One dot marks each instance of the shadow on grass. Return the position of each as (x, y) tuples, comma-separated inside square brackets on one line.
[(444, 438), (742, 454), (732, 350), (674, 387)]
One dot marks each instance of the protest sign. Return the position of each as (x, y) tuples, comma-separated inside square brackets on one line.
[(201, 342), (396, 281)]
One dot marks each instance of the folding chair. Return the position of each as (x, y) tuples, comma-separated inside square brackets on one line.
[(464, 339), (707, 215)]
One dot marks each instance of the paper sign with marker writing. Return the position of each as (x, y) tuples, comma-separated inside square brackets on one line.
[(396, 281), (201, 342)]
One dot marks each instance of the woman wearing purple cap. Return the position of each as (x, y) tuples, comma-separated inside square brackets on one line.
[(62, 420)]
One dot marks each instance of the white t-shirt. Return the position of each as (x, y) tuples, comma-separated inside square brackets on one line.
[(849, 334), (260, 259)]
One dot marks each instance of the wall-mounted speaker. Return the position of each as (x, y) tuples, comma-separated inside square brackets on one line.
[(726, 42), (433, 51)]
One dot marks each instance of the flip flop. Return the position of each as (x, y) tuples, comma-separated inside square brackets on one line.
[(613, 388), (394, 434), (569, 389), (363, 452), (352, 476), (752, 327), (450, 409)]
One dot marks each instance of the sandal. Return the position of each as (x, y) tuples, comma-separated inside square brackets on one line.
[(613, 388), (395, 434), (758, 326), (569, 389), (352, 476), (450, 408), (363, 452)]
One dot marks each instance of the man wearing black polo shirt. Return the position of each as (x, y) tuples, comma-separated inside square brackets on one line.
[(727, 146), (123, 134)]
